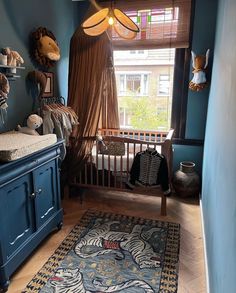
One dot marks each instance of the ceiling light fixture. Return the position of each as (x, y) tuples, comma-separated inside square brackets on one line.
[(103, 19)]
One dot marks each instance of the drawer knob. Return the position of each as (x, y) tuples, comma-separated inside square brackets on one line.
[(32, 195)]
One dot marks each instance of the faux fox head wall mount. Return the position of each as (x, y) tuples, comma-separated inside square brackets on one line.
[(199, 63)]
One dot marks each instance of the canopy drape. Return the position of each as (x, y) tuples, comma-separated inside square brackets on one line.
[(91, 93), (109, 111)]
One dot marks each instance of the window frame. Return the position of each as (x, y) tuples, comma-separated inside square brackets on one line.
[(180, 96), (180, 93), (180, 88)]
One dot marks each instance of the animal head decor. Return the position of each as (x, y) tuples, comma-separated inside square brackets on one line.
[(4, 91), (44, 49), (199, 63)]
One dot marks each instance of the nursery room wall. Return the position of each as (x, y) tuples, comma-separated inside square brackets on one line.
[(219, 165), (17, 20), (203, 38)]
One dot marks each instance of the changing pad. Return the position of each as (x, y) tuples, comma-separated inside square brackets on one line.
[(15, 145)]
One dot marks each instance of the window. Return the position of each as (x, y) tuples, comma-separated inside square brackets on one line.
[(164, 85), (125, 118), (162, 24), (132, 84), (137, 52), (144, 103)]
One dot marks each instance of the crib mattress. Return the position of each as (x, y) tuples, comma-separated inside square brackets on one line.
[(118, 163), (15, 145)]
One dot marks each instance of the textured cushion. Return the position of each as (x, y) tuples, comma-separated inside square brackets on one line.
[(15, 145), (113, 148)]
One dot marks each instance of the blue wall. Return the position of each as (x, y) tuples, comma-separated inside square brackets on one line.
[(203, 39), (219, 166), (17, 20), (188, 153)]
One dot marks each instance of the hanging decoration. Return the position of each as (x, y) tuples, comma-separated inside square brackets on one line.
[(200, 63), (44, 49), (99, 22), (4, 91), (39, 78)]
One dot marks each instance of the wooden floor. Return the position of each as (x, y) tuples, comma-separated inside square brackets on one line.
[(185, 212)]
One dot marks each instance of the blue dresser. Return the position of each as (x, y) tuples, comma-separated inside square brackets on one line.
[(30, 206)]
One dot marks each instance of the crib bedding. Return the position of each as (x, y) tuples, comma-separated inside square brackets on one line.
[(15, 145), (117, 163)]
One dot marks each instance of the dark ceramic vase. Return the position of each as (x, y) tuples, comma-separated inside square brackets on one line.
[(186, 180)]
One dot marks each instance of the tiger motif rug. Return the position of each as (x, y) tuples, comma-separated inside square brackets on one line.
[(113, 253)]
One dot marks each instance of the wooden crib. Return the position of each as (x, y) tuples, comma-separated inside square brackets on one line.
[(111, 171)]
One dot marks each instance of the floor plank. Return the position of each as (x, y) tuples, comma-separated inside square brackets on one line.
[(186, 212)]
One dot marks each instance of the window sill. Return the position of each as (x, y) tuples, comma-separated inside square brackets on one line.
[(134, 95), (193, 142)]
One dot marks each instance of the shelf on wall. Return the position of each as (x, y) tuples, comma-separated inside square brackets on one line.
[(9, 73), (12, 77), (11, 67)]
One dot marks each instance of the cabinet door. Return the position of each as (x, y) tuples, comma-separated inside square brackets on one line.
[(16, 213), (46, 192)]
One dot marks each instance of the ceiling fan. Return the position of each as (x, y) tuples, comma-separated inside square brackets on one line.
[(100, 21)]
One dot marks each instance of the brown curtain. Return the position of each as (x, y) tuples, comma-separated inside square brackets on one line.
[(109, 112), (91, 88)]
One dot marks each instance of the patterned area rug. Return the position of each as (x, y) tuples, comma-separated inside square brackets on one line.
[(113, 253)]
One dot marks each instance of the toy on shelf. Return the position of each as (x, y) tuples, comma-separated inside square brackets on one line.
[(200, 63), (10, 60), (33, 122), (3, 59), (13, 57)]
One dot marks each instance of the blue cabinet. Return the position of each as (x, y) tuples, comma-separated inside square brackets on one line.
[(30, 206), (45, 184), (15, 200)]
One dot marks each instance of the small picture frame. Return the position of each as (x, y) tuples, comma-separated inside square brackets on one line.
[(49, 85)]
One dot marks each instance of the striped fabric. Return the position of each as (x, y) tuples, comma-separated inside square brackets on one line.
[(149, 167), (3, 103)]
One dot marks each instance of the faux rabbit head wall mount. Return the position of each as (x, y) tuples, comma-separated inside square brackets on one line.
[(199, 63), (44, 49)]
